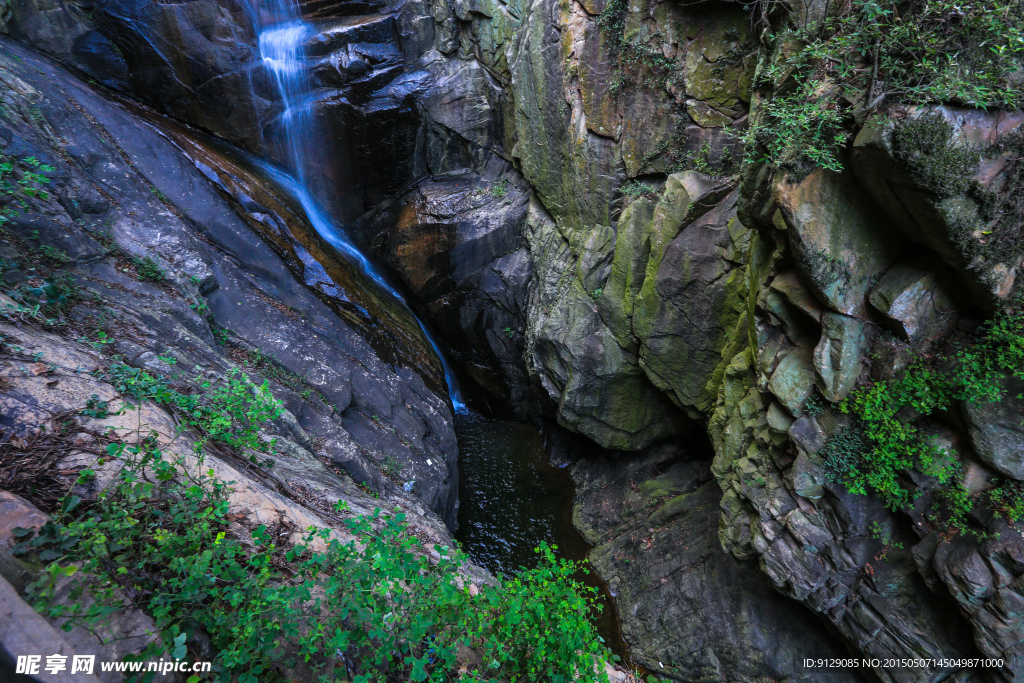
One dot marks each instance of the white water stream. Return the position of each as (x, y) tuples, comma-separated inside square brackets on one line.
[(282, 36)]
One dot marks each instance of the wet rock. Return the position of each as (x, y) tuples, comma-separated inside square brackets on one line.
[(332, 371), (458, 246)]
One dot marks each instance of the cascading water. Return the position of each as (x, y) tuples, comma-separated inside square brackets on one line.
[(282, 35)]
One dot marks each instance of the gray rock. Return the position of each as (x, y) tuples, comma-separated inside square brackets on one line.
[(369, 377), (23, 632), (689, 609), (837, 357), (997, 429), (16, 512), (913, 298), (840, 240)]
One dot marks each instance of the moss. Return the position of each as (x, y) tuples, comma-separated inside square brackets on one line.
[(926, 147)]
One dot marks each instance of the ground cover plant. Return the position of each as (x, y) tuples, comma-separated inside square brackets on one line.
[(880, 52), (375, 608), (886, 442)]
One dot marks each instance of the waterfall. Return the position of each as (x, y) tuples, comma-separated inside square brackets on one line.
[(282, 34)]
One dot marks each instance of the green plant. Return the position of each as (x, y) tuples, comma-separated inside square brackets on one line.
[(391, 467), (815, 405), (58, 256), (373, 609), (20, 180), (147, 269), (500, 189), (94, 407), (635, 188), (798, 127), (886, 444), (1007, 498), (903, 51), (53, 295), (924, 146), (229, 412), (508, 332)]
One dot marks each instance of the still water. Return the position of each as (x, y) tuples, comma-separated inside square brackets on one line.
[(512, 498)]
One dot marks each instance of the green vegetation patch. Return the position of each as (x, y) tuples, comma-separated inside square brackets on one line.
[(373, 609), (229, 412), (912, 52), (885, 444)]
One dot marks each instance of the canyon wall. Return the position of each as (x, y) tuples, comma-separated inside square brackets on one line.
[(561, 187)]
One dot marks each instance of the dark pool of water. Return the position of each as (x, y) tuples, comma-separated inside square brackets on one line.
[(512, 498)]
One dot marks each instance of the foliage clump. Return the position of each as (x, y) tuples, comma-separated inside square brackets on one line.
[(372, 609), (20, 179), (925, 146), (885, 444), (229, 412), (911, 52)]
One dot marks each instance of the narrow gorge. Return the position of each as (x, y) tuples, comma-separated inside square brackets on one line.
[(512, 340)]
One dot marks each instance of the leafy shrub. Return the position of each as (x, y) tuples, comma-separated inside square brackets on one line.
[(635, 188), (230, 412), (886, 444), (912, 52), (374, 605)]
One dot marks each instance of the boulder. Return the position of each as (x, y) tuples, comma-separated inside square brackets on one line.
[(916, 302), (690, 303), (837, 357), (793, 379), (839, 240), (997, 429)]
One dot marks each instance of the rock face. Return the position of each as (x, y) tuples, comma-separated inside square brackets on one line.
[(696, 612), (463, 256), (121, 192)]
